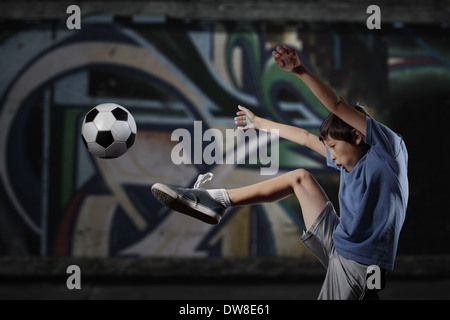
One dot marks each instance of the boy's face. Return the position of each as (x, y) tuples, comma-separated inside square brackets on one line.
[(343, 153)]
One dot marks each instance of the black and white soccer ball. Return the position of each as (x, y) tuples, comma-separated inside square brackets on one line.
[(108, 130)]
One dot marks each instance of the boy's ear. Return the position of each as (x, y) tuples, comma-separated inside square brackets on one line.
[(357, 136)]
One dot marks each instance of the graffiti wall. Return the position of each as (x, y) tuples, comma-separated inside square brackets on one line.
[(58, 200)]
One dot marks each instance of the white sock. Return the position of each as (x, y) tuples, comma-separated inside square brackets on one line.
[(221, 196)]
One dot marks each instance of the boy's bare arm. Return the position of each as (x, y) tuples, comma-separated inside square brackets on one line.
[(287, 59), (248, 120)]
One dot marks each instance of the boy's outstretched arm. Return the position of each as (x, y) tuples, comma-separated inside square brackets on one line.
[(287, 59), (247, 120)]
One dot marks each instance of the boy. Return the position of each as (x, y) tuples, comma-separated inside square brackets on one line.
[(373, 193)]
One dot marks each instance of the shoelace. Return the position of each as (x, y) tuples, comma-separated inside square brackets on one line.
[(202, 179)]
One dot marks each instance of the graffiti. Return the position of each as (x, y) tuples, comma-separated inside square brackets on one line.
[(169, 76), (89, 207)]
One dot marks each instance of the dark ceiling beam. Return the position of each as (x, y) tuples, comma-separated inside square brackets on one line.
[(404, 11)]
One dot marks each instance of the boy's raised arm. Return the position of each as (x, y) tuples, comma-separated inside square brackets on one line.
[(287, 59), (247, 120)]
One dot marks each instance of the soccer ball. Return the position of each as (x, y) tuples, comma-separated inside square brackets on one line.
[(108, 130)]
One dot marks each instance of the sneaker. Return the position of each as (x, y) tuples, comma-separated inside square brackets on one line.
[(195, 202)]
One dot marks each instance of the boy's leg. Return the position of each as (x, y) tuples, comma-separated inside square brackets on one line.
[(309, 193), (319, 215), (199, 203), (345, 279)]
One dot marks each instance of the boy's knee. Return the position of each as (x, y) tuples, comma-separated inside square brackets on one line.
[(300, 175)]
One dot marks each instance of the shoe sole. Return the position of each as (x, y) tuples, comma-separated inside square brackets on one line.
[(174, 201)]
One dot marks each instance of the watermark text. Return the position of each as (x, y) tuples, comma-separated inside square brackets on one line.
[(238, 146)]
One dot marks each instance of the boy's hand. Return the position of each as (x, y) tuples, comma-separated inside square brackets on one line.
[(246, 118), (287, 59)]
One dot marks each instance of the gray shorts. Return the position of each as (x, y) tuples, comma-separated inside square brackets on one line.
[(345, 279)]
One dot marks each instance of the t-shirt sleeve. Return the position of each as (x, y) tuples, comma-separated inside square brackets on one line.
[(385, 142)]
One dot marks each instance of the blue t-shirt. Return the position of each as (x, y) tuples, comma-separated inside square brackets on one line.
[(373, 199)]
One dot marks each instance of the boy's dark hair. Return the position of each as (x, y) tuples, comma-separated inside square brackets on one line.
[(338, 129)]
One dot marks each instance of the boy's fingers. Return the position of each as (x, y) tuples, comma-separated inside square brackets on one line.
[(243, 109), (281, 50)]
